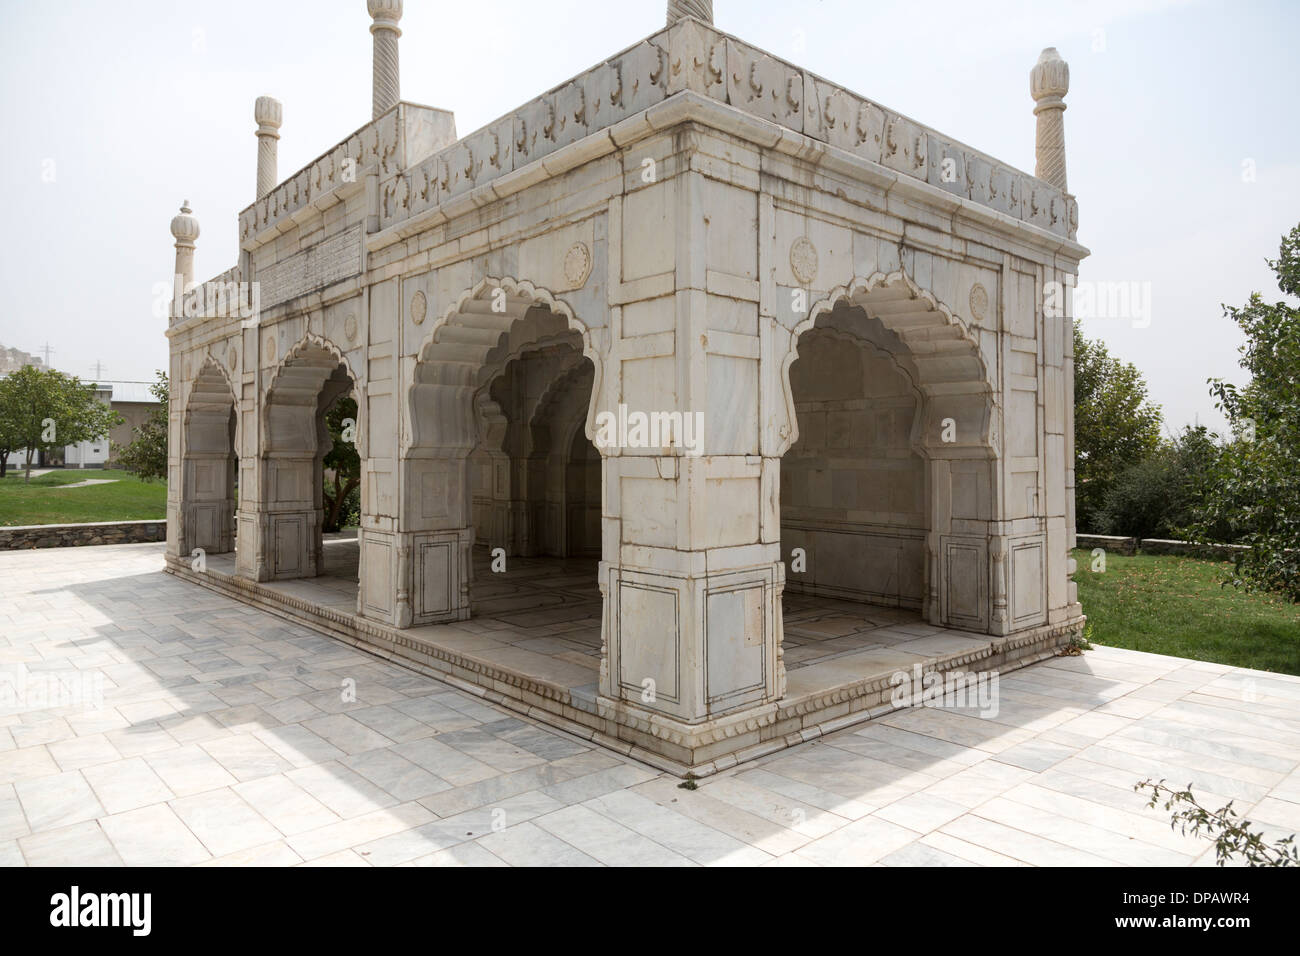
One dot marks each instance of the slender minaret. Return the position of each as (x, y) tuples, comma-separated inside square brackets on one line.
[(185, 229), (268, 114), (1049, 81), (700, 9), (385, 14)]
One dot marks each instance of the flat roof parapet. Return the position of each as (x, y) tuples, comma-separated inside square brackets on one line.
[(694, 56), (401, 136), (419, 173)]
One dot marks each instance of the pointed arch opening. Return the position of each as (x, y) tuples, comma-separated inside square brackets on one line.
[(210, 466), (499, 466), (889, 458), (312, 445)]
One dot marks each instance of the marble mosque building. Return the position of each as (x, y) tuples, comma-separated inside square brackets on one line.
[(697, 398)]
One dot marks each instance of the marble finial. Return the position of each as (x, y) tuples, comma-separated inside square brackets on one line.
[(268, 114), (385, 10), (1050, 77), (185, 228)]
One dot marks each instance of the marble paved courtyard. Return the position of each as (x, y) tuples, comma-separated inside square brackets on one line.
[(542, 618), (204, 731)]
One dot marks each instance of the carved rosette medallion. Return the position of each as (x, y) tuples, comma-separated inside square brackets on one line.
[(979, 301), (350, 327), (232, 358), (577, 265), (269, 348), (419, 307), (803, 260)]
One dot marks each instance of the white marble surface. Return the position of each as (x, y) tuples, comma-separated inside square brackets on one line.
[(223, 739)]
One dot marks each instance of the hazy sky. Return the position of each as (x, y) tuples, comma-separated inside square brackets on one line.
[(116, 111)]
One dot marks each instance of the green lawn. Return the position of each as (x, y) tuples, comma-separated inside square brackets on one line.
[(1167, 604), (45, 501)]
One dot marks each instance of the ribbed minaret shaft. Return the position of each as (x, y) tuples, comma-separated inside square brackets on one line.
[(1049, 81)]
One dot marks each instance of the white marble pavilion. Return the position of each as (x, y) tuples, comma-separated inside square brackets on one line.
[(833, 316)]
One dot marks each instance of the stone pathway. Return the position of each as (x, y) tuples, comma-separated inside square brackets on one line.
[(90, 481), (204, 731)]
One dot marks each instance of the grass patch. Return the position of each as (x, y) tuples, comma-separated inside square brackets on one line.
[(1170, 604), (46, 501)]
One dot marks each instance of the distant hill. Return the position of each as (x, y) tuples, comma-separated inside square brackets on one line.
[(11, 360)]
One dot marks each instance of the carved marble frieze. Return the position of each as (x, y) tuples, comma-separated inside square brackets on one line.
[(695, 57)]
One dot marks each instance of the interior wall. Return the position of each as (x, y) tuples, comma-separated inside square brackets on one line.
[(853, 489)]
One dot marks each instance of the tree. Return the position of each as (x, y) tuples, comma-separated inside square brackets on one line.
[(146, 455), (10, 441), (1157, 496), (343, 462), (44, 409), (1256, 489), (1115, 425)]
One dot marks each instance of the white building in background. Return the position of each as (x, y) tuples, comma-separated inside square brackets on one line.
[(134, 401), (90, 454)]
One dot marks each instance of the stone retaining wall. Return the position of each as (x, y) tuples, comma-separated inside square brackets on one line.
[(76, 535), (1121, 545), (1162, 546), (1112, 543)]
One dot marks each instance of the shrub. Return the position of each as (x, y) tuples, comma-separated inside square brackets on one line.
[(1158, 496)]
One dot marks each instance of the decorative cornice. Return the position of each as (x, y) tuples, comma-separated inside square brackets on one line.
[(615, 103)]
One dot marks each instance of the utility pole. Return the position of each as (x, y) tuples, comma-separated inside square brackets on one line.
[(48, 352), (99, 369)]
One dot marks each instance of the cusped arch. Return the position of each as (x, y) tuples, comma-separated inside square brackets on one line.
[(487, 324), (941, 346), (210, 401), (210, 447), (211, 385), (557, 393), (560, 354), (300, 376), (908, 374), (514, 351)]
